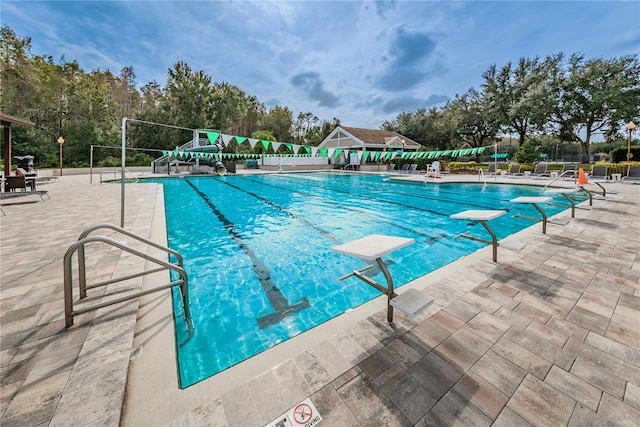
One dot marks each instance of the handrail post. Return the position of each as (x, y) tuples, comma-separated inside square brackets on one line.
[(82, 273), (68, 289), (80, 244)]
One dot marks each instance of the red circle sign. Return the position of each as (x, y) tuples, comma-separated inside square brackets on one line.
[(302, 413)]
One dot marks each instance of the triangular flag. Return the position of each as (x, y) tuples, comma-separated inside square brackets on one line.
[(252, 142), (241, 139), (275, 146), (336, 153), (365, 154), (265, 143), (213, 137), (226, 139)]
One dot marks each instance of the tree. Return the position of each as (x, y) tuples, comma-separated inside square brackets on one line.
[(517, 97), (597, 95), (279, 122), (302, 127), (474, 122), (229, 105), (526, 153)]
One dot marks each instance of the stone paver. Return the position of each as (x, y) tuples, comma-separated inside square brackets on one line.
[(547, 336)]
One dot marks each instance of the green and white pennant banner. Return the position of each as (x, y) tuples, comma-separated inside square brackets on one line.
[(313, 151)]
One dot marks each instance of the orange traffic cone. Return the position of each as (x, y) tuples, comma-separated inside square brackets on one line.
[(582, 178)]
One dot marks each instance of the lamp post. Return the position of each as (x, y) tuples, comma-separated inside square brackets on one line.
[(60, 142), (630, 127)]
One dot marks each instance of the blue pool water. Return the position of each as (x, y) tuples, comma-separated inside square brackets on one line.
[(257, 249)]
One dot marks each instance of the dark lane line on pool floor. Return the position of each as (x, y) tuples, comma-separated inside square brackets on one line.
[(276, 299), (322, 231), (414, 195), (393, 202), (430, 238)]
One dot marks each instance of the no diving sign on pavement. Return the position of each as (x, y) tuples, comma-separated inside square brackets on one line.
[(304, 414)]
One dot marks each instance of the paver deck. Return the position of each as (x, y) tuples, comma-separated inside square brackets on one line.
[(549, 335)]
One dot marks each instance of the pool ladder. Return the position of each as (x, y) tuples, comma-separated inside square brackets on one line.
[(84, 239)]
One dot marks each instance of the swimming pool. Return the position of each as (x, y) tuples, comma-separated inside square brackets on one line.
[(257, 249)]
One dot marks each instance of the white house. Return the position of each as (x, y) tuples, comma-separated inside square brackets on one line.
[(368, 139)]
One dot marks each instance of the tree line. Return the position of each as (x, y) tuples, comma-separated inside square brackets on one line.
[(568, 99), (87, 108)]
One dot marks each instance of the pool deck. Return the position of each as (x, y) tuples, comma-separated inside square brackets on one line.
[(548, 335)]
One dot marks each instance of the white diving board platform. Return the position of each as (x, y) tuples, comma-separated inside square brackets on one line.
[(482, 216), (533, 201), (374, 247)]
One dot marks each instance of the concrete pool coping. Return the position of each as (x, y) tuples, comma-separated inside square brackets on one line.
[(43, 363), (154, 368)]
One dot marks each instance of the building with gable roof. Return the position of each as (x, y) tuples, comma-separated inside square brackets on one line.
[(348, 138)]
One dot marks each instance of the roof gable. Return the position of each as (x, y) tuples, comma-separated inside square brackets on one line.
[(369, 137)]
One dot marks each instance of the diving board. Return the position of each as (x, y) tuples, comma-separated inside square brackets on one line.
[(374, 247)]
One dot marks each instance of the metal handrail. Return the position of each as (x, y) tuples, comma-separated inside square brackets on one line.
[(81, 257), (481, 176), (79, 245), (127, 173), (574, 172)]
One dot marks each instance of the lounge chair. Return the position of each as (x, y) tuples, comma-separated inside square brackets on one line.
[(633, 174), (493, 169), (391, 167), (599, 174), (514, 170), (568, 171), (540, 171), (413, 168)]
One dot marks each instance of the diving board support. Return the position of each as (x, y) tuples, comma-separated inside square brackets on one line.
[(564, 192), (481, 216), (374, 247), (533, 201)]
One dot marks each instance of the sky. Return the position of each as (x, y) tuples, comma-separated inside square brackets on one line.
[(362, 62)]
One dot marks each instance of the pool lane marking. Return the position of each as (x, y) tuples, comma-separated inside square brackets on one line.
[(404, 205), (320, 230), (416, 196), (276, 299), (430, 237)]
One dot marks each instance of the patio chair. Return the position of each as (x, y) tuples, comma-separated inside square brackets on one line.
[(493, 169), (391, 167), (17, 182), (413, 168), (633, 174), (405, 168), (568, 171), (540, 171), (599, 174), (514, 170)]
